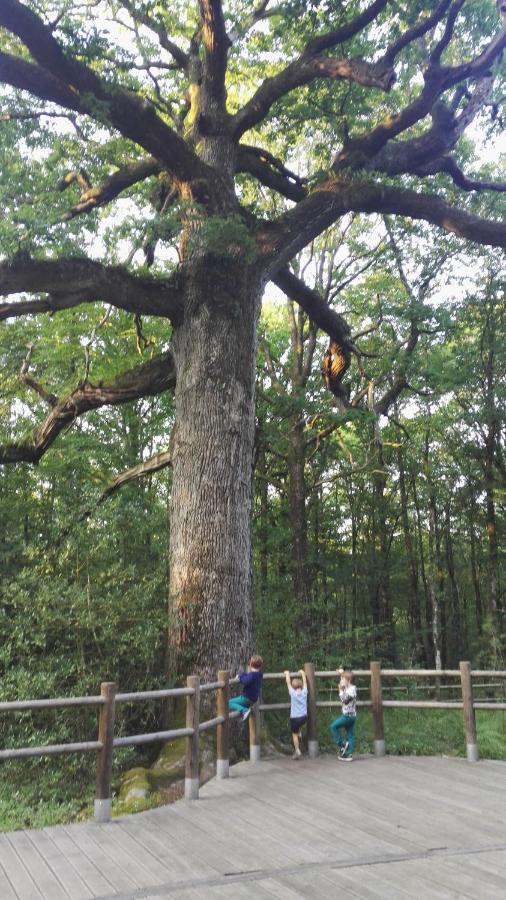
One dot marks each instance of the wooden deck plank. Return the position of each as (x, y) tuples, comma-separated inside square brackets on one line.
[(61, 867), (17, 873), (109, 869), (41, 873), (90, 874), (167, 850), (7, 891)]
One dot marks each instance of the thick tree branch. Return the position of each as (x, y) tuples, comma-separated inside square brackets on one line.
[(115, 184), (346, 32), (73, 85), (360, 151), (146, 467), (216, 44), (148, 379), (302, 71), (314, 305), (447, 166), (270, 172), (416, 32), (73, 280), (411, 156), (283, 239)]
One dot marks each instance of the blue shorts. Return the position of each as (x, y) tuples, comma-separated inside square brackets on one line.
[(297, 723)]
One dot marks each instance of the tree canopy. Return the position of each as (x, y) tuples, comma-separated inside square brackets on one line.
[(166, 160)]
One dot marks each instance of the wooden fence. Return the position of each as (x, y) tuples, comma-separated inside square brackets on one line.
[(108, 699)]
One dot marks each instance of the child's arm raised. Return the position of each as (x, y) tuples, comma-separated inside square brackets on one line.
[(286, 673), (304, 679)]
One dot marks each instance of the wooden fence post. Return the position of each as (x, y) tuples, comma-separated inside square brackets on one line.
[(377, 710), (254, 733), (312, 733), (468, 711), (222, 731), (191, 781), (104, 756)]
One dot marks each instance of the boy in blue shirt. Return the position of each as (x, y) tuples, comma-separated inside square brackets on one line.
[(297, 688), (251, 686)]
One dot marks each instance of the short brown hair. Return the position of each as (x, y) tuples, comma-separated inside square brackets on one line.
[(297, 682), (256, 662)]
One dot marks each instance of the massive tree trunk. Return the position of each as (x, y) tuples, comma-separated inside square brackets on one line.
[(210, 546)]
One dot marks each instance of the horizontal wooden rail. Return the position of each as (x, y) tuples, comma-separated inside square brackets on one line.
[(154, 695), (212, 686), (50, 703), (423, 704), (482, 705), (358, 673), (266, 706), (51, 750), (211, 723), (330, 704), (420, 673), (152, 737)]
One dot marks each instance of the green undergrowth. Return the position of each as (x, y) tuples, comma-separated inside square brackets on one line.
[(34, 794), (421, 732)]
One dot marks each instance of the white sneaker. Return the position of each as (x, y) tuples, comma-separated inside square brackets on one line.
[(245, 714), (297, 754), (346, 758)]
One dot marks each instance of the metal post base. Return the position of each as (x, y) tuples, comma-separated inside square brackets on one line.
[(222, 768), (191, 789), (379, 748), (472, 752), (254, 753), (102, 810), (312, 749)]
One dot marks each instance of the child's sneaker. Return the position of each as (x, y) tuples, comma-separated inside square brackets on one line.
[(346, 758), (343, 749), (245, 714), (297, 754)]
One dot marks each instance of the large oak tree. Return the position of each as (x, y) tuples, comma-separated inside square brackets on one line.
[(195, 97)]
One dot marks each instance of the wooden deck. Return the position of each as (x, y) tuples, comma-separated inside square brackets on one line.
[(397, 827)]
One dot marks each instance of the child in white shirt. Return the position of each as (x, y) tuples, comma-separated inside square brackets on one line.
[(297, 688)]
